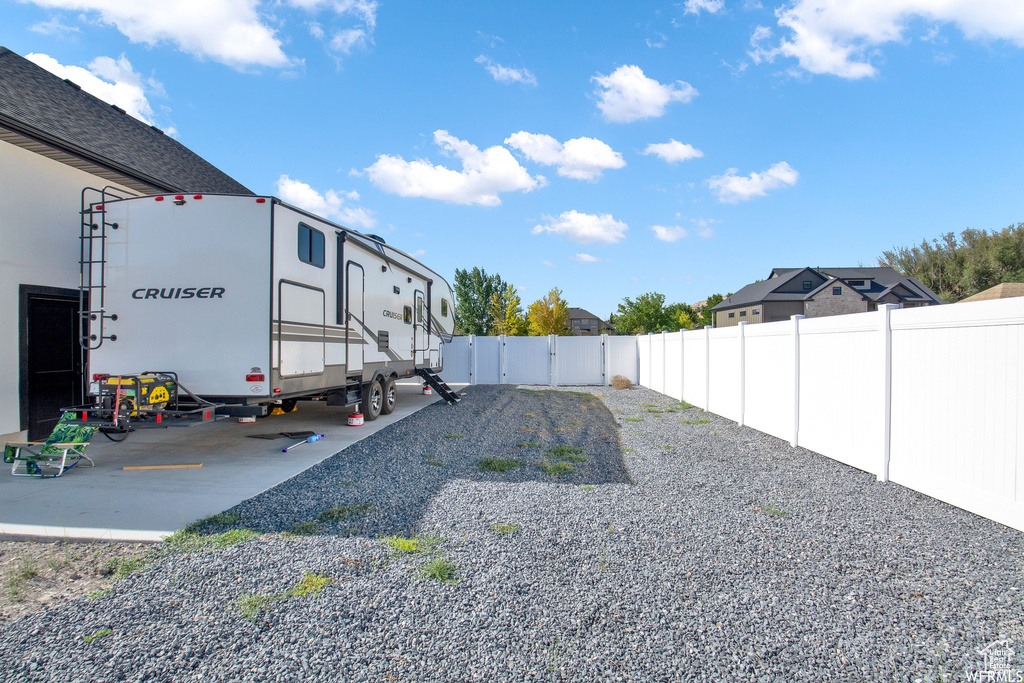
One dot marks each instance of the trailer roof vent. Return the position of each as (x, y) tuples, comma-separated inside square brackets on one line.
[(377, 238)]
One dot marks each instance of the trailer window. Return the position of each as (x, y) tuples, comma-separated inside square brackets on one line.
[(444, 308), (407, 315), (311, 246)]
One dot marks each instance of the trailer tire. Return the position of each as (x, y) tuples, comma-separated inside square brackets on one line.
[(374, 394), (390, 396)]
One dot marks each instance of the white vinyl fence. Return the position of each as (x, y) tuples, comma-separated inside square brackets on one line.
[(539, 360), (930, 398)]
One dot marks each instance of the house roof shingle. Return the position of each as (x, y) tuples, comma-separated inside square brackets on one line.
[(42, 107)]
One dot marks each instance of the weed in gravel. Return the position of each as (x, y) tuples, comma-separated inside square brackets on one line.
[(97, 635), (186, 542), (311, 584), (529, 415), (489, 464), (343, 513), (97, 594), (530, 444), (123, 567), (621, 382), (454, 435), (439, 569), (348, 482), (431, 459), (683, 405), (630, 450), (222, 518), (504, 529), (588, 488), (424, 543), (251, 604), (557, 469), (667, 448), (774, 510), (632, 419), (303, 529), (698, 421), (566, 453)]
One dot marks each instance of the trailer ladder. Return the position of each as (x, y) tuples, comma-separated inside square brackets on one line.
[(438, 385), (92, 266)]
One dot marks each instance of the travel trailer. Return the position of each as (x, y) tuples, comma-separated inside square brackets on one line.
[(244, 303)]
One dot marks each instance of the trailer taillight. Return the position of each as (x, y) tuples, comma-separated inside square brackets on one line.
[(179, 196), (197, 196), (159, 199), (260, 200), (255, 378), (99, 207), (97, 376)]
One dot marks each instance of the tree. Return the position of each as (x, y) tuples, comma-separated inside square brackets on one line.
[(682, 316), (706, 318), (958, 267), (506, 311), (549, 315), (473, 291), (645, 315)]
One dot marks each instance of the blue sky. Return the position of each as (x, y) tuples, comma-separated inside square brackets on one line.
[(605, 148)]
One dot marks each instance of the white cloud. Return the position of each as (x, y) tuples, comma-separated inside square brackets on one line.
[(706, 231), (587, 258), (709, 6), (347, 39), (674, 151), (53, 27), (484, 175), (731, 188), (838, 37), (549, 264), (330, 205), (628, 95), (669, 233), (584, 228), (112, 80), (579, 158), (227, 31), (504, 74)]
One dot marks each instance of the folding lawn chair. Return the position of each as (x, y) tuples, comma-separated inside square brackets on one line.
[(61, 451)]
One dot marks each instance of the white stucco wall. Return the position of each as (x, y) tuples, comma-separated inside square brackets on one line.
[(39, 228)]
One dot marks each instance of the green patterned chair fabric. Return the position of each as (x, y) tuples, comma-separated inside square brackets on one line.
[(61, 451)]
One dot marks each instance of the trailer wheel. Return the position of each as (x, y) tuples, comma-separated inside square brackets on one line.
[(374, 400), (390, 396)]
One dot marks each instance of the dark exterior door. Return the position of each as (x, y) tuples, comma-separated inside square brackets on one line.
[(51, 358)]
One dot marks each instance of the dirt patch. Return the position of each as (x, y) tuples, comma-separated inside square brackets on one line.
[(39, 574)]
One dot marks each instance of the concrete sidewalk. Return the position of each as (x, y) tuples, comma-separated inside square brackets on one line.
[(108, 502)]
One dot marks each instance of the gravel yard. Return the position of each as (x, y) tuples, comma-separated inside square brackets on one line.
[(692, 550)]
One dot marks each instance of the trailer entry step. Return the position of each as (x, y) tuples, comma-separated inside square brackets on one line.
[(438, 385)]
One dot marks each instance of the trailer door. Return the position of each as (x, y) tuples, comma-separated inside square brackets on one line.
[(420, 330), (354, 319)]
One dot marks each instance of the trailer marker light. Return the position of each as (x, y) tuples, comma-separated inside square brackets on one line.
[(179, 196), (277, 391), (159, 419), (99, 207), (260, 200), (255, 378), (85, 416), (197, 196), (159, 199)]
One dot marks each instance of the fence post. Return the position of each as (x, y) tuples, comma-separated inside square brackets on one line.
[(472, 359), (707, 368), (604, 360), (501, 358), (552, 372), (885, 311), (664, 367), (795, 441), (682, 365), (743, 368)]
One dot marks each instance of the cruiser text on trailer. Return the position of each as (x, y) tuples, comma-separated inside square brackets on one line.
[(252, 302)]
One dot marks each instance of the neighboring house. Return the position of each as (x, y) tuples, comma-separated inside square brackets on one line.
[(1006, 290), (817, 292), (56, 139), (584, 323)]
